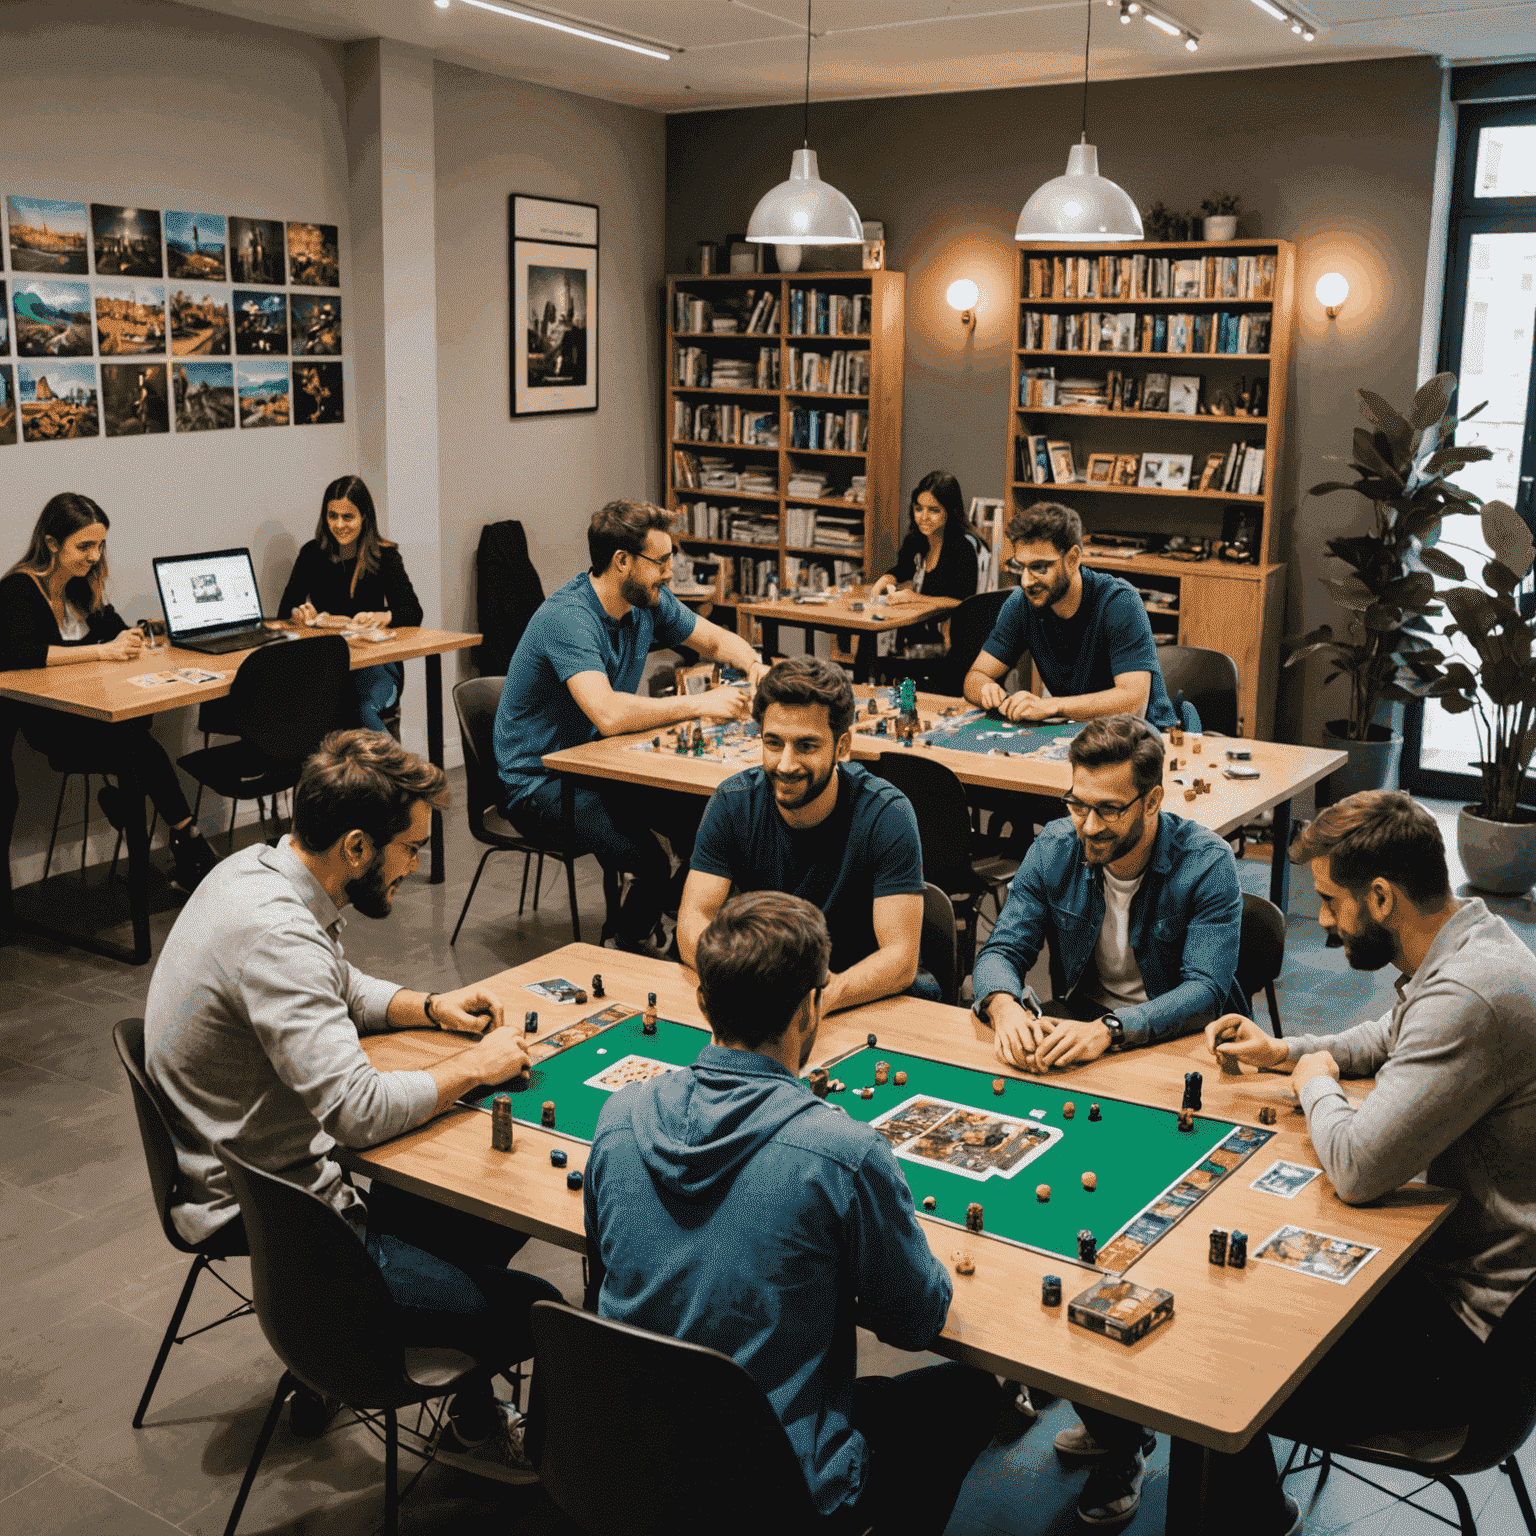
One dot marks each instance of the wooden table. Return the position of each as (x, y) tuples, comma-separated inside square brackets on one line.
[(1240, 1340), (103, 690), (840, 618), (1232, 803)]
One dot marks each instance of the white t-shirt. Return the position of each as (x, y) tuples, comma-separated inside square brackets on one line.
[(1120, 984), (74, 626)]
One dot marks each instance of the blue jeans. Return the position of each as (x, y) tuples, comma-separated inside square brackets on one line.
[(376, 688)]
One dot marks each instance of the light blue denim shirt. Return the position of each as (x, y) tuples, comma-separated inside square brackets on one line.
[(1185, 927)]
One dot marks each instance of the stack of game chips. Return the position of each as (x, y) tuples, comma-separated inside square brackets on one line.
[(501, 1122)]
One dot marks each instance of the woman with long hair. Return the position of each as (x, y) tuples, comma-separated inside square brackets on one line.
[(348, 572), (54, 613)]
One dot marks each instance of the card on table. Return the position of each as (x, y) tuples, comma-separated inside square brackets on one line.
[(545, 1046), (154, 680), (1316, 1254), (199, 675), (630, 1069), (557, 989), (975, 1143), (1285, 1179)]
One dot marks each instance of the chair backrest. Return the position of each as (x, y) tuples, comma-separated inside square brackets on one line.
[(508, 593), (943, 818), (1207, 679), (650, 1434), (1505, 1412), (941, 944), (475, 701), (320, 1298), (969, 626), (159, 1147), (285, 698), (1261, 949)]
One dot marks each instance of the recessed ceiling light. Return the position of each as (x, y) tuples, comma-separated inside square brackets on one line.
[(560, 26)]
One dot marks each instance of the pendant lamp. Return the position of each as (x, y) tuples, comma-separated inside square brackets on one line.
[(805, 210), (1082, 205)]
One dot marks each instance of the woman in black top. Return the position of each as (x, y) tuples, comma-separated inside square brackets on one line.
[(348, 572), (936, 559), (53, 613)]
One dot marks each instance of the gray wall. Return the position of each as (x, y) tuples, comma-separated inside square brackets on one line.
[(496, 137), (1339, 158)]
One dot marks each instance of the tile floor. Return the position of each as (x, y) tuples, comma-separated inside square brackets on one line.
[(88, 1281)]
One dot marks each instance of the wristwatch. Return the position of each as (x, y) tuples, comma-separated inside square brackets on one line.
[(1116, 1031)]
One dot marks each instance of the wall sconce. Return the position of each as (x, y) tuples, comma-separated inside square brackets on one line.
[(1332, 289), (962, 294)]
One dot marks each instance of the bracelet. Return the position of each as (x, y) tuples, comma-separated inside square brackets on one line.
[(426, 1008)]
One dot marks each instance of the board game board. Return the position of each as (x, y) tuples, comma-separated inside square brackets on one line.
[(978, 731), (736, 743)]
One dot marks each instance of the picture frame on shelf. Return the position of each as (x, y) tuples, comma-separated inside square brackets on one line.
[(1211, 469), (1127, 468), (553, 255), (1063, 463), (1184, 394), (1151, 471), (1101, 468), (1039, 460), (1176, 471), (1154, 392)]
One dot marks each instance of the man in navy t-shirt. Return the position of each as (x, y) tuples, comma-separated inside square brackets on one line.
[(817, 826), (1086, 630), (573, 678)]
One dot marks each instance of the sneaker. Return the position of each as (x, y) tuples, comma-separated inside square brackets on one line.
[(499, 1454), (309, 1413), (1077, 1442), (194, 858), (1112, 1494)]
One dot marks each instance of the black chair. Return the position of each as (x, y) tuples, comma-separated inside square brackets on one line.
[(1502, 1423), (164, 1178), (329, 1318), (1261, 953), (68, 769), (646, 1434), (1206, 679), (969, 627), (284, 699), (940, 943), (944, 830), (475, 702)]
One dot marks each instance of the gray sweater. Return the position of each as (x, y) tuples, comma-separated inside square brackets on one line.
[(1455, 1069)]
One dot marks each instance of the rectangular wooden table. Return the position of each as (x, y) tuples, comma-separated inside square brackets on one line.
[(103, 690), (1240, 1341), (1284, 771), (840, 618)]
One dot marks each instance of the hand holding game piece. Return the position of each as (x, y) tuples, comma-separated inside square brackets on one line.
[(469, 1011), (1017, 1033), (1233, 1035), (991, 697), (1313, 1064), (1072, 1042), (726, 703), (1024, 705)]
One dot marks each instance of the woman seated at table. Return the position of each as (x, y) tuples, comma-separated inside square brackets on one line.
[(348, 572), (937, 559), (54, 613)]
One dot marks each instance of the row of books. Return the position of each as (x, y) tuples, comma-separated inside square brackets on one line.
[(694, 368), (753, 575), (812, 313), (830, 373), (709, 520), (809, 483), (724, 424), (749, 527), (711, 472), (1141, 276), (1178, 394), (1236, 470), (1126, 331), (813, 528), (844, 430), (817, 575), (756, 311)]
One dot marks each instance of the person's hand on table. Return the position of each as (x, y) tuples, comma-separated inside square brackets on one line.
[(905, 595), (991, 696), (369, 621), (1313, 1064), (1017, 1033), (1232, 1035), (497, 1058), (723, 703), (469, 1011), (125, 647), (1025, 705), (1071, 1043), (305, 613), (883, 584)]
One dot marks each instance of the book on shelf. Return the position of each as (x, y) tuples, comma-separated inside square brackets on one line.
[(1037, 387), (725, 424), (755, 311), (1145, 276), (733, 373), (802, 575), (808, 483), (724, 325), (758, 480), (754, 574), (1083, 394), (814, 313), (1227, 332), (1184, 394), (1154, 392), (844, 431), (692, 366), (829, 373), (750, 527)]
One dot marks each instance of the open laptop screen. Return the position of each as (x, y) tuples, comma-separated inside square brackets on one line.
[(209, 591)]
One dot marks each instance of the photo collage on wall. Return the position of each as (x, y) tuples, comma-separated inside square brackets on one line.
[(131, 322)]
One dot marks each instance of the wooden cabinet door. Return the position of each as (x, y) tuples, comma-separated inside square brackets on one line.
[(1220, 614)]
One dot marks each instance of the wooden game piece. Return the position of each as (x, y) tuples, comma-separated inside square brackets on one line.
[(1267, 1115), (874, 707), (1176, 736), (900, 1079), (655, 743), (973, 1216), (501, 1123), (866, 1093), (547, 1114), (870, 1041), (965, 1265), (1218, 1253), (531, 1022), (597, 985), (929, 1203), (1189, 794), (1186, 1119), (1087, 1247), (1193, 1082), (1042, 1193), (820, 1082), (997, 1085), (1050, 1290), (581, 997), (557, 1158), (1068, 1110), (1197, 745), (1094, 1112), (573, 1179), (648, 1018), (882, 1073), (1237, 1250), (838, 1085), (1090, 1181)]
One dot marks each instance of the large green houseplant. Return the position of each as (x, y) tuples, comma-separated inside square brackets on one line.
[(1402, 464)]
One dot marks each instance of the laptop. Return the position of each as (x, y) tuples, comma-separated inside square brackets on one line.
[(211, 603)]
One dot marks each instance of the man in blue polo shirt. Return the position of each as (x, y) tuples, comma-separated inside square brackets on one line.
[(573, 678), (1086, 630), (811, 823), (727, 1205)]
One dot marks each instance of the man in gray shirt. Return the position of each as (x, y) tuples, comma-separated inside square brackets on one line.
[(251, 1037)]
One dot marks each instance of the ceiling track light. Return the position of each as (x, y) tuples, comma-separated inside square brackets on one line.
[(561, 26), (1154, 16), (1304, 29)]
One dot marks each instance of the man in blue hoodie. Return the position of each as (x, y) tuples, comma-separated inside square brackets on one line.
[(727, 1205)]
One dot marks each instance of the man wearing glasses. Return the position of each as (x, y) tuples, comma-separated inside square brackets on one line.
[(573, 678), (1086, 630), (1143, 914)]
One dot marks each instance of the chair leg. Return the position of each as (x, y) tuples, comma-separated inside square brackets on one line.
[(1274, 1009), (53, 836), (391, 1473), (85, 824), (464, 910), (288, 1384), (538, 880), (1463, 1507), (171, 1330), (522, 895), (234, 811), (1511, 1469), (570, 882)]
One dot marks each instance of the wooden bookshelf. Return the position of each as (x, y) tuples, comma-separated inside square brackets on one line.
[(1238, 609), (878, 460)]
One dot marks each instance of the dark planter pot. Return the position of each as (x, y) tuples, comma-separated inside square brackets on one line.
[(1498, 856), (1372, 764)]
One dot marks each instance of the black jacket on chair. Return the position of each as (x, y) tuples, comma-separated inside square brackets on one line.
[(508, 593)]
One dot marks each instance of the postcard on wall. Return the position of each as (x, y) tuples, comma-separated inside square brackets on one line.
[(53, 319), (318, 401), (126, 241), (205, 396), (199, 321), (133, 399), (58, 401), (316, 323), (312, 260), (7, 406), (195, 246), (48, 236), (263, 389), (256, 251), (130, 319)]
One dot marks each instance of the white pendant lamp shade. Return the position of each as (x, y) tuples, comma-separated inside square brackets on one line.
[(805, 210), (1082, 205)]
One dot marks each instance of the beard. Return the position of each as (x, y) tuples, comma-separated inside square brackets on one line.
[(368, 891), (637, 595), (1111, 852), (1371, 948), (812, 791), (1057, 590)]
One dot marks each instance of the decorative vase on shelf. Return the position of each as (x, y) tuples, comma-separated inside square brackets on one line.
[(1220, 226), (788, 257)]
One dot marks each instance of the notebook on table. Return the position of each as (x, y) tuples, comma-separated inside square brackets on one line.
[(211, 602)]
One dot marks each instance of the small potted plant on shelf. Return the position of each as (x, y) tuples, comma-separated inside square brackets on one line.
[(1497, 836), (1221, 210), (1388, 652)]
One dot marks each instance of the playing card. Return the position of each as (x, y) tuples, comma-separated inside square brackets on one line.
[(1285, 1179), (1315, 1253)]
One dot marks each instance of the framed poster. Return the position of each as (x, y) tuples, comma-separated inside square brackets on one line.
[(554, 337)]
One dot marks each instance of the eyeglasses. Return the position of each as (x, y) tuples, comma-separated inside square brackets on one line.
[(1080, 809), (664, 565)]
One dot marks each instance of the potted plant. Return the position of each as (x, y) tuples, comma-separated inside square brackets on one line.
[(1497, 836), (1387, 652), (1221, 210)]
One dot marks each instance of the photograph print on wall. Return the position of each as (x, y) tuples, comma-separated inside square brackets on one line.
[(47, 235), (316, 323), (130, 319), (312, 256), (554, 340), (195, 246), (200, 322), (5, 323), (126, 241), (57, 400), (263, 391), (205, 396), (7, 406), (317, 394), (256, 251), (133, 399), (261, 324), (52, 319)]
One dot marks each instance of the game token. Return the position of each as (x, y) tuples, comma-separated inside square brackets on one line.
[(1094, 1113), (602, 1050), (656, 743), (973, 1216), (581, 996), (573, 1179), (965, 1265), (1237, 1250), (1189, 794), (1186, 1119), (866, 1093), (1193, 1083), (557, 1157), (547, 1114), (874, 707), (1050, 1290), (1218, 1246), (597, 986), (997, 1085), (870, 1041), (1267, 1115), (648, 1018), (1087, 1247), (882, 1073), (1042, 1193), (1090, 1181), (838, 1085), (1068, 1110), (531, 1022), (501, 1122), (900, 1079), (929, 1203)]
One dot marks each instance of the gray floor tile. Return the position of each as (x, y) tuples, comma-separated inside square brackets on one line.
[(66, 1503), (19, 1465)]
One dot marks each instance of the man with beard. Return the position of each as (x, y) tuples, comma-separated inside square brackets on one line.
[(1087, 632), (813, 824), (1455, 1093), (251, 1042), (1143, 914), (573, 678)]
